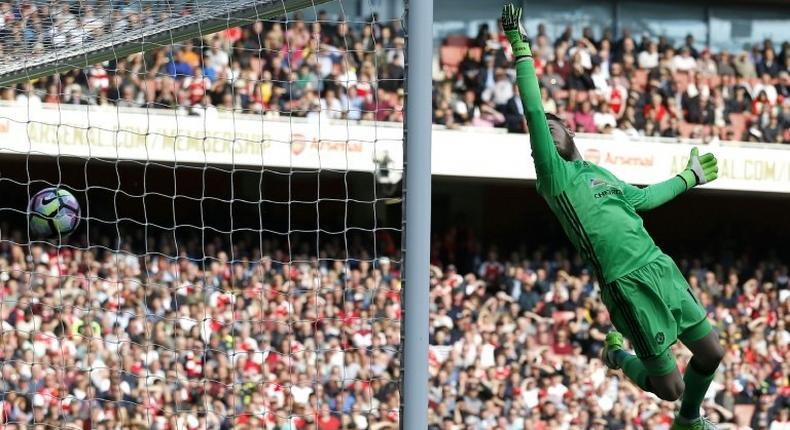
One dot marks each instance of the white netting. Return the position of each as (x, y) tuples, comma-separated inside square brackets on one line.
[(237, 264)]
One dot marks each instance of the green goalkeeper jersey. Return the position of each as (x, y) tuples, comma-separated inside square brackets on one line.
[(597, 210)]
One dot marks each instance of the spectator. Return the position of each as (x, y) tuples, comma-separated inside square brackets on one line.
[(543, 47), (331, 106), (579, 78), (724, 65), (744, 67), (127, 97), (550, 79), (267, 68), (648, 59), (583, 118), (502, 91), (685, 61), (549, 105), (766, 86), (604, 118), (706, 66), (772, 132), (768, 65), (689, 44)]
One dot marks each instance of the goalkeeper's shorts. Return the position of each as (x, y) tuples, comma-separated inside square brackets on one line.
[(653, 307)]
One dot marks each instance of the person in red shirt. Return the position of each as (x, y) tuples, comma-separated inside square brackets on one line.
[(656, 107), (325, 420)]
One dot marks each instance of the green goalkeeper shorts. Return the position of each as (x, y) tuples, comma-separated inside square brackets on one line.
[(653, 307)]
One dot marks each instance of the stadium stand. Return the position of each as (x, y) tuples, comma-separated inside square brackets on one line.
[(514, 342), (268, 68)]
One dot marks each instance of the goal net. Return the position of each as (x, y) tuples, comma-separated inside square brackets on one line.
[(237, 166)]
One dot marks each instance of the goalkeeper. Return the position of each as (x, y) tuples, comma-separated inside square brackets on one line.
[(648, 298)]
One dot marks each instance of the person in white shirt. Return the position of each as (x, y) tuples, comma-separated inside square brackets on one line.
[(648, 59), (586, 49), (331, 105), (767, 86), (29, 99), (684, 62), (604, 117)]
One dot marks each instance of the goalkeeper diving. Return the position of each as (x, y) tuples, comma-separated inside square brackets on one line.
[(649, 301)]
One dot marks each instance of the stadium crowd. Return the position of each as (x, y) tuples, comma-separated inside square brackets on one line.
[(216, 338), (629, 86), (273, 67)]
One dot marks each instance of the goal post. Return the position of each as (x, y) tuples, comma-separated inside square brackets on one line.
[(417, 215), (242, 257)]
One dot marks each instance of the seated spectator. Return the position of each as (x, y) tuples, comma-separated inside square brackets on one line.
[(486, 75), (648, 59), (706, 65), (772, 132), (599, 79), (769, 65), (543, 47), (783, 86), (741, 102), (766, 86), (655, 110), (583, 118), (684, 62), (651, 130), (585, 51), (487, 115), (604, 117), (502, 91), (549, 105), (761, 103), (719, 115), (744, 66), (724, 66), (689, 44), (579, 79), (331, 106), (551, 79), (673, 129), (464, 109)]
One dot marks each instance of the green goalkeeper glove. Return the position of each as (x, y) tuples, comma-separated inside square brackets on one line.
[(511, 23), (701, 169)]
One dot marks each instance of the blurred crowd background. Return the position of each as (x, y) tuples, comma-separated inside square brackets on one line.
[(195, 339), (628, 85), (632, 86)]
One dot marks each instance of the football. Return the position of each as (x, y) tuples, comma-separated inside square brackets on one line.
[(53, 212)]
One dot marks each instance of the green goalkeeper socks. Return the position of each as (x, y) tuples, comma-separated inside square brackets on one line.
[(634, 369), (696, 386)]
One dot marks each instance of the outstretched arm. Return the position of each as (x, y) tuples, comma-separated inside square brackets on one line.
[(547, 161), (700, 170)]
